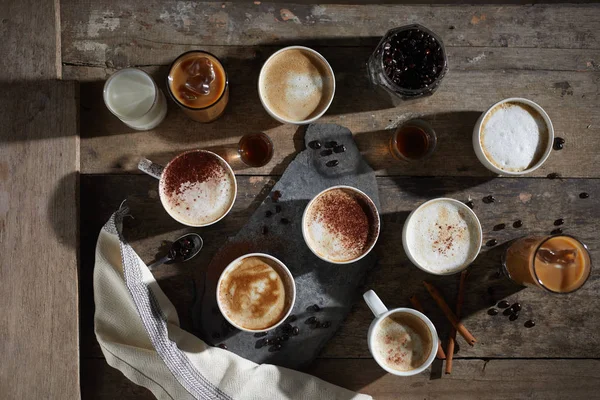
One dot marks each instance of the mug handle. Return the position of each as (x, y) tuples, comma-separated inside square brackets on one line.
[(375, 304), (147, 166)]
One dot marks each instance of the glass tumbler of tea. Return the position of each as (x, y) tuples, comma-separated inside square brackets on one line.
[(198, 83), (412, 141), (557, 264), (255, 149)]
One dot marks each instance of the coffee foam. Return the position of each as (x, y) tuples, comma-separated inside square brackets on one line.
[(200, 202), (442, 237), (513, 136), (255, 293), (340, 225), (402, 342), (296, 85)]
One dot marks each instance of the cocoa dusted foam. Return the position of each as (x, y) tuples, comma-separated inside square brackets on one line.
[(296, 84), (255, 293), (197, 188), (341, 225)]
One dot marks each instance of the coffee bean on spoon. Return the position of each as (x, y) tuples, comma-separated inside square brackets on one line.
[(332, 163), (315, 144)]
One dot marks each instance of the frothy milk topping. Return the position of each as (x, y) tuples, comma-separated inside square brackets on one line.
[(197, 188), (339, 225), (402, 342), (442, 236), (513, 136), (295, 84), (253, 294)]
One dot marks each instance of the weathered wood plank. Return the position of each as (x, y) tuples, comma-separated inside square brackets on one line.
[(470, 379), (39, 162), (562, 330), (30, 45), (571, 99), (104, 31)]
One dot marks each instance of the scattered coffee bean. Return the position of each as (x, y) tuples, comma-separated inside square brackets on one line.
[(286, 328), (503, 304), (260, 334), (489, 199), (470, 204), (264, 230), (291, 318), (330, 145), (513, 316), (529, 323), (268, 342), (315, 144), (275, 347), (285, 221), (216, 335), (276, 196), (277, 340), (314, 307), (507, 311), (278, 209), (268, 214), (491, 243), (517, 224), (260, 344), (559, 143), (493, 311), (332, 163), (499, 227), (339, 149), (295, 331), (583, 195), (516, 307), (311, 320), (285, 337), (559, 221), (326, 152), (553, 175), (223, 346), (556, 231)]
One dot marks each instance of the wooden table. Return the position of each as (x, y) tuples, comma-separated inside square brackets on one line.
[(547, 53)]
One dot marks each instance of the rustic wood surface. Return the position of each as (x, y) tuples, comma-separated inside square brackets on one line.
[(548, 53), (39, 160)]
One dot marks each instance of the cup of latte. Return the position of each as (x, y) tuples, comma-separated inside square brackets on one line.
[(403, 341), (256, 292), (341, 225), (442, 236), (197, 188), (513, 137), (296, 85)]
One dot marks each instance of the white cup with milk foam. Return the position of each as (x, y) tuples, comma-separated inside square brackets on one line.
[(513, 137), (442, 236)]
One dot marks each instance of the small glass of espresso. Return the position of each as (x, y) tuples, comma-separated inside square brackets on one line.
[(256, 149), (558, 264), (414, 140)]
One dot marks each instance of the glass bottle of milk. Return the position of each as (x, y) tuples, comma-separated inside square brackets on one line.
[(132, 95)]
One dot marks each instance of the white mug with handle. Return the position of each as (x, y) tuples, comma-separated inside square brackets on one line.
[(381, 312)]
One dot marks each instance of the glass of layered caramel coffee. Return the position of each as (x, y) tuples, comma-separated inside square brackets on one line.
[(558, 264), (198, 83)]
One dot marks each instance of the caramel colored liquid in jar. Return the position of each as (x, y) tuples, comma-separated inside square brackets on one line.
[(198, 83), (560, 264)]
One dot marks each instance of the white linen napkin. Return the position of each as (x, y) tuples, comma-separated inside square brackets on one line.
[(138, 331)]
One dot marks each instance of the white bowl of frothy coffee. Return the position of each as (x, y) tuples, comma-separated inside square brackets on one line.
[(513, 137), (442, 236), (256, 292), (296, 85)]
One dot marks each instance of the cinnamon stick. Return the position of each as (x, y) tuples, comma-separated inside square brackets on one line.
[(417, 306), (459, 302), (439, 299)]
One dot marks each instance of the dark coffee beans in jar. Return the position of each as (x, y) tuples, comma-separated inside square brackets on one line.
[(413, 59)]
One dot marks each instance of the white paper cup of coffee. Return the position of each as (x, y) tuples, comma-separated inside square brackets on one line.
[(341, 224), (513, 137), (256, 292), (442, 236), (197, 188), (402, 341), (296, 85)]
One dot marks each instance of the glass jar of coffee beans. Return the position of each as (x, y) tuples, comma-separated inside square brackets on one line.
[(409, 62)]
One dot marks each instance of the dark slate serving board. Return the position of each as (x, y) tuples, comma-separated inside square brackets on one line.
[(332, 287)]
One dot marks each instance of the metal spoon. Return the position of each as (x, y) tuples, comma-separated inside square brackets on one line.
[(183, 249)]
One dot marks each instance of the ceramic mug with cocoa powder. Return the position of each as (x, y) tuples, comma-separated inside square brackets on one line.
[(197, 188), (341, 225)]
